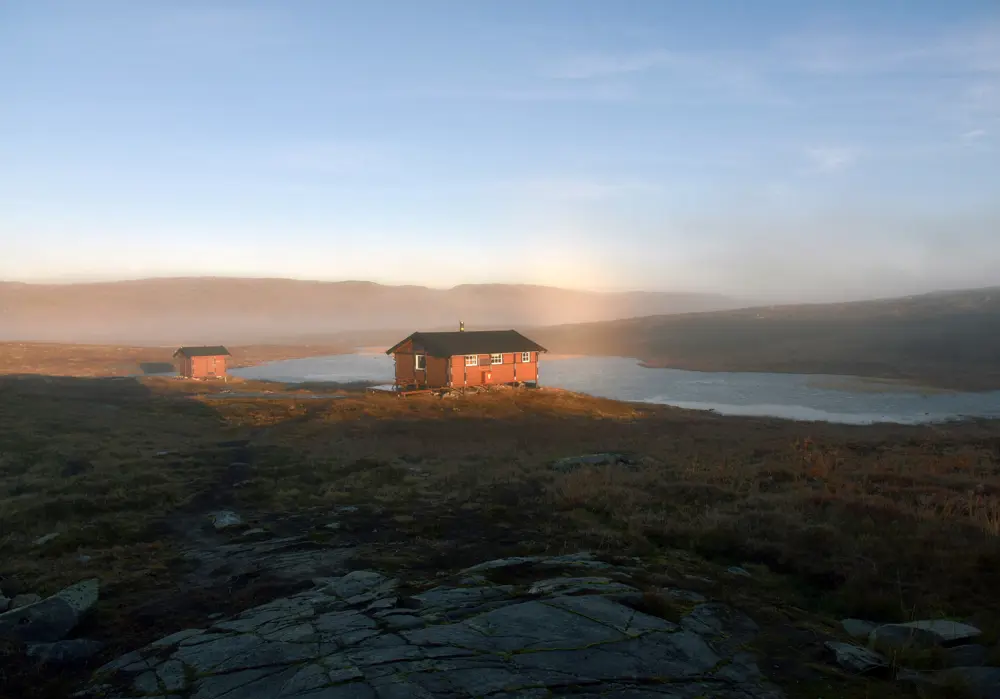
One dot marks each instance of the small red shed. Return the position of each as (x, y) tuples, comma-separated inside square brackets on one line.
[(460, 359), (202, 362)]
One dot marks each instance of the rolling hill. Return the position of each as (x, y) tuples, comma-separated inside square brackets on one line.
[(949, 339), (228, 310)]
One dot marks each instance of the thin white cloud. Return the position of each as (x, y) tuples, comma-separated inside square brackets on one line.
[(598, 65), (581, 188), (696, 77), (544, 93), (964, 50), (973, 135), (832, 158)]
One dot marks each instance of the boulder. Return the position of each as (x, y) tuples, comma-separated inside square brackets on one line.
[(855, 658), (81, 596), (922, 634), (42, 540), (224, 519), (51, 619), (64, 652), (42, 622), (858, 627), (949, 632), (4, 603)]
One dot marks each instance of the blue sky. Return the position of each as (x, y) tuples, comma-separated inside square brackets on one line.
[(777, 149)]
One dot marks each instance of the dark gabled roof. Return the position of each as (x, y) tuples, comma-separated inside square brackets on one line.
[(215, 351), (450, 344)]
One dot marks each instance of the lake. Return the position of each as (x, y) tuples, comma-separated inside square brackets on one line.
[(840, 399)]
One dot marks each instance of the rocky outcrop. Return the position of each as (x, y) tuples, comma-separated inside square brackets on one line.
[(289, 558), (358, 635), (64, 652)]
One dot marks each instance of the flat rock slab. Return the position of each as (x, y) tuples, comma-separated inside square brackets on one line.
[(572, 560), (354, 636), (922, 634)]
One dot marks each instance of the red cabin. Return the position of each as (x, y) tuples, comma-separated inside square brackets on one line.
[(461, 359), (202, 362)]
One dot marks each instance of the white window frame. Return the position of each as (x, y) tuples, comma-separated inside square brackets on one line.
[(526, 357), (472, 360), (496, 358), (420, 362)]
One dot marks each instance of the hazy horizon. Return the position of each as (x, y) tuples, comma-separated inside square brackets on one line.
[(743, 301), (779, 152)]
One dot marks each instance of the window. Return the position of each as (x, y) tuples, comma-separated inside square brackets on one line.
[(472, 360), (496, 359), (419, 362), (526, 357)]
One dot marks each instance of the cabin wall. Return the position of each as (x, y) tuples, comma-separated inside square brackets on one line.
[(527, 371), (208, 367), (202, 367), (457, 363), (512, 369), (437, 372), (435, 375), (405, 368)]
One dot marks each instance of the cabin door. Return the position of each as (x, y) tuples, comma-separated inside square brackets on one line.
[(485, 378)]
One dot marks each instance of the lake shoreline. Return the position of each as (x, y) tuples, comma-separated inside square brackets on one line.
[(798, 397), (918, 380)]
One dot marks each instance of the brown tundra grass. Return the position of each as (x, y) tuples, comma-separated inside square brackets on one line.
[(882, 522)]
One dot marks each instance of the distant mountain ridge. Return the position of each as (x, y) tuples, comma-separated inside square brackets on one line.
[(242, 310), (949, 339)]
